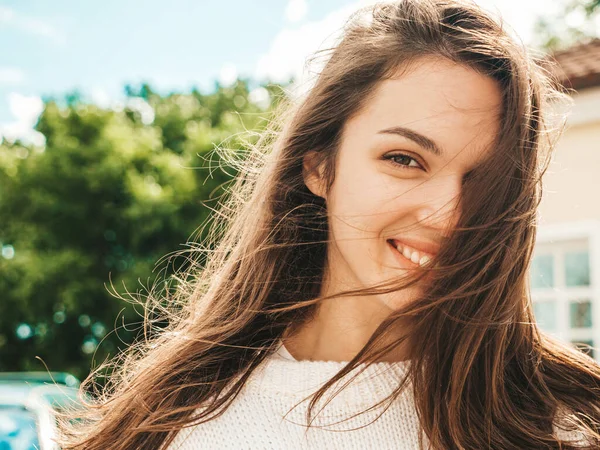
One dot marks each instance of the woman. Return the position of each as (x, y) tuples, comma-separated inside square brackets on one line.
[(369, 288)]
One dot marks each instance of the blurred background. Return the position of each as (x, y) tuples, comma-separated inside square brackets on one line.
[(109, 115)]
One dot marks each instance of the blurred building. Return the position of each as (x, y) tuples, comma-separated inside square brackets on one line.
[(565, 275)]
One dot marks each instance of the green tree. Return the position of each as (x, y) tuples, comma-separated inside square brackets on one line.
[(577, 21), (112, 192)]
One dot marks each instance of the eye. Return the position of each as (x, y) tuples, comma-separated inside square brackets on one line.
[(403, 160)]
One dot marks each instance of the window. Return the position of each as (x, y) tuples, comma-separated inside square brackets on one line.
[(577, 268), (580, 314), (562, 291), (545, 314), (542, 271), (585, 346)]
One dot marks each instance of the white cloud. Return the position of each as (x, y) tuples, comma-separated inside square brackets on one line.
[(296, 10), (32, 25), (42, 28), (228, 74), (16, 130), (25, 110), (6, 14), (11, 75), (290, 48), (100, 97)]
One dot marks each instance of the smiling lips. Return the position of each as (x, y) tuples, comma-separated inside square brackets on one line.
[(415, 256)]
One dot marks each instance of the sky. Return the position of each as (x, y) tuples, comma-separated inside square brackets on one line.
[(55, 47)]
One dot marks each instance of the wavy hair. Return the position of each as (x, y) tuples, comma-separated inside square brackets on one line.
[(484, 375)]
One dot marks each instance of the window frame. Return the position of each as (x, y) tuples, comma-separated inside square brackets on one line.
[(560, 237)]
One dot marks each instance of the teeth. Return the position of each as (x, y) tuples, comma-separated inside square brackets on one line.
[(413, 255)]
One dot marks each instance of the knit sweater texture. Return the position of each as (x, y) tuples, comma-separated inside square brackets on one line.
[(270, 410)]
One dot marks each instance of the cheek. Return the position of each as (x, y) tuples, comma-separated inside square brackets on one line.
[(361, 213), (366, 207), (367, 200), (357, 208)]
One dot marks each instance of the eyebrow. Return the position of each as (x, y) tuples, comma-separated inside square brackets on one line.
[(418, 138)]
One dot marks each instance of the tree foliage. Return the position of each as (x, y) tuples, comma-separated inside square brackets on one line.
[(577, 21), (113, 190)]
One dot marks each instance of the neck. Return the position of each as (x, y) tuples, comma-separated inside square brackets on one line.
[(339, 330)]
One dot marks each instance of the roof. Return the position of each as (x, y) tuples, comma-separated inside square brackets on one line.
[(579, 66)]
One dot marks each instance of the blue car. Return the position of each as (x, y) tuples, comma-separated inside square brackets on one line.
[(29, 402)]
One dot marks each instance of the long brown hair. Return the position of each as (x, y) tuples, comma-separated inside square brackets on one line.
[(484, 375)]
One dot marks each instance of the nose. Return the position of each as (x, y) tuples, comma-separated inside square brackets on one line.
[(440, 205)]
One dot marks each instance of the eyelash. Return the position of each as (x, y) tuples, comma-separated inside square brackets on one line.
[(390, 157)]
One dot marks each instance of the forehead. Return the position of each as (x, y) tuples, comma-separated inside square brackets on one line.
[(453, 105)]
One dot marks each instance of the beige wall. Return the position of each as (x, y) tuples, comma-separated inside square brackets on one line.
[(572, 183)]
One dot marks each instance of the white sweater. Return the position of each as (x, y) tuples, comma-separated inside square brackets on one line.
[(255, 419)]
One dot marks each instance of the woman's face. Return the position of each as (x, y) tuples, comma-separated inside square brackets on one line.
[(399, 173)]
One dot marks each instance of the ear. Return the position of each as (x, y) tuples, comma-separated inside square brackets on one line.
[(312, 172)]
